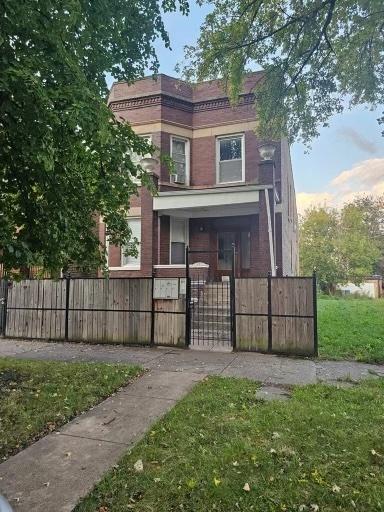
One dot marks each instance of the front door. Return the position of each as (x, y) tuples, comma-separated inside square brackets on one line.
[(225, 242)]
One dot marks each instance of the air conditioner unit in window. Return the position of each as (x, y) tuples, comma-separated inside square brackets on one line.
[(179, 178)]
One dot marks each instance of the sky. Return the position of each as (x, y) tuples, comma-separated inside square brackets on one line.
[(346, 159)]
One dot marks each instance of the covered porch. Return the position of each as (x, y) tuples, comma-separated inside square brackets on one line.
[(211, 222)]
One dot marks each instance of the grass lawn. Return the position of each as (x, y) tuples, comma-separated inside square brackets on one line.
[(220, 449), (351, 329), (36, 397)]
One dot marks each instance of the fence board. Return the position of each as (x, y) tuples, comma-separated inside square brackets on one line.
[(169, 328), (289, 296), (36, 323), (251, 296)]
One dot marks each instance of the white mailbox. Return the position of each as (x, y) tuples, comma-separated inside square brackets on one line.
[(165, 288)]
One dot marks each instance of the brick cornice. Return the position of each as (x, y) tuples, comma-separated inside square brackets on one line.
[(173, 102)]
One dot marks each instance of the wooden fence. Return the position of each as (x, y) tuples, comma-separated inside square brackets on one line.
[(269, 314), (92, 310), (276, 314)]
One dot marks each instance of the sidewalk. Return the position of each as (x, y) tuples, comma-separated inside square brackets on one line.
[(55, 472), (52, 474), (269, 369)]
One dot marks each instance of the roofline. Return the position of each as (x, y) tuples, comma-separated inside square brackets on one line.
[(191, 84)]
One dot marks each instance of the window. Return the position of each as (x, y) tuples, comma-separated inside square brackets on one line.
[(137, 158), (129, 260), (245, 249), (230, 159), (180, 156), (179, 238)]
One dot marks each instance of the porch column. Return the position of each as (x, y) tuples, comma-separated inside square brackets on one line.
[(267, 231)]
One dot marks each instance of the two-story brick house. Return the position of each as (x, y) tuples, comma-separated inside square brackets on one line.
[(223, 193)]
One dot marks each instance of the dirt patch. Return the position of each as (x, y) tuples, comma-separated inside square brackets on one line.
[(11, 380)]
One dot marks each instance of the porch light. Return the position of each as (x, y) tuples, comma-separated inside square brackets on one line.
[(267, 151), (149, 163)]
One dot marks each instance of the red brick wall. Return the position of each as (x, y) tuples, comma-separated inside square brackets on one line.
[(149, 101), (147, 246)]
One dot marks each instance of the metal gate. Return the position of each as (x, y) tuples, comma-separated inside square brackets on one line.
[(210, 308)]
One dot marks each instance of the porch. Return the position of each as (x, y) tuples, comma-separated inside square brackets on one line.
[(211, 222)]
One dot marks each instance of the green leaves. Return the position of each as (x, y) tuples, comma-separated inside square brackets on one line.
[(64, 158), (314, 54), (338, 245)]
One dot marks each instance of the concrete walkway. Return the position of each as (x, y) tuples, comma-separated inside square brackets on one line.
[(52, 474), (269, 369), (55, 472)]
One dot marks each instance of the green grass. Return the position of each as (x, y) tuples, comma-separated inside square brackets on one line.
[(36, 397), (324, 447), (351, 329)]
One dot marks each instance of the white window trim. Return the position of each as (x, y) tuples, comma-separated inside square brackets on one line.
[(230, 136), (171, 221), (187, 156), (126, 267)]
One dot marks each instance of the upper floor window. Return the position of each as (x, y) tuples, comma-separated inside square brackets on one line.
[(180, 156), (230, 159), (128, 260), (137, 158)]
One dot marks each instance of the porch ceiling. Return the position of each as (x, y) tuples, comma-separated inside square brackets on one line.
[(215, 202)]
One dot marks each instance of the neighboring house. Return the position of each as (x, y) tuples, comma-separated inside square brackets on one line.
[(222, 194), (372, 287)]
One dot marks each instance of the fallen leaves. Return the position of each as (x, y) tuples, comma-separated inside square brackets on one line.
[(138, 466), (246, 487), (216, 481)]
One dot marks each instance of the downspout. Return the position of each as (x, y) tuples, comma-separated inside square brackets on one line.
[(270, 234)]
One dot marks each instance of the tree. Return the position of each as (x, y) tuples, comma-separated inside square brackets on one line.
[(338, 245), (63, 155), (372, 209), (318, 232), (315, 54)]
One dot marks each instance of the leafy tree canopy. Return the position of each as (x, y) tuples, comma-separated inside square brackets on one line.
[(63, 155), (316, 54), (339, 245)]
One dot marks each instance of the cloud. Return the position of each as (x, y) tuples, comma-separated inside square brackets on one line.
[(358, 140), (367, 173), (307, 200), (364, 178)]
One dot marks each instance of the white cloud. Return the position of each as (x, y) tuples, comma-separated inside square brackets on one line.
[(307, 200), (365, 178), (369, 172)]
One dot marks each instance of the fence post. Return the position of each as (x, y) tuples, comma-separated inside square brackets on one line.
[(4, 302), (67, 287), (187, 300), (152, 341), (270, 312), (232, 301), (314, 295)]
